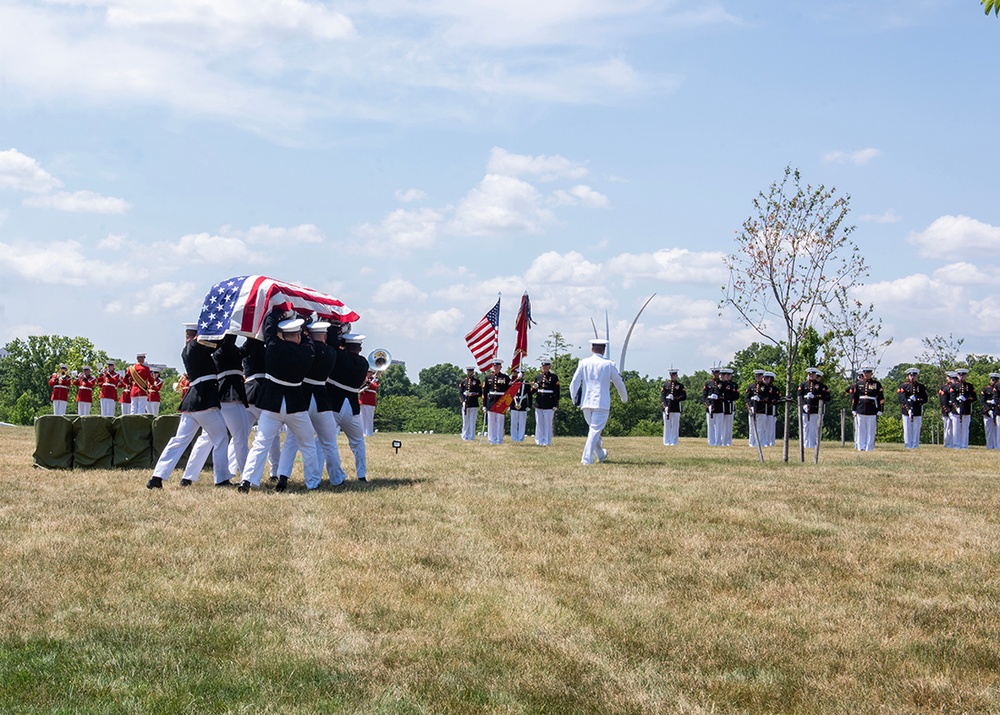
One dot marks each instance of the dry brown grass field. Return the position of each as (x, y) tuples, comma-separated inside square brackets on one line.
[(473, 579)]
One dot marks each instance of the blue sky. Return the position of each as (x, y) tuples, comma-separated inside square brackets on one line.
[(416, 157)]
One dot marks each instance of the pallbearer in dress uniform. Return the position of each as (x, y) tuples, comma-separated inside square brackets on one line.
[(84, 390), (60, 383), (989, 398), (494, 387), (470, 389), (199, 408), (755, 409), (592, 381), (812, 392), (282, 399), (547, 393), (672, 394), (962, 398), (344, 385), (252, 356), (108, 380), (519, 409), (912, 396), (867, 403)]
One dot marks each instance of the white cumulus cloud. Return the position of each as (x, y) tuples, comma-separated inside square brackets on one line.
[(78, 202), (957, 237), (500, 204), (22, 173), (542, 168), (859, 157), (671, 265)]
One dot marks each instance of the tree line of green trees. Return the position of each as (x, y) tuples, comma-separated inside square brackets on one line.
[(432, 404)]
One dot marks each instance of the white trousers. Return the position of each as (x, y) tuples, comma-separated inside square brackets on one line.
[(350, 423), (770, 430), (518, 424), (108, 406), (990, 427), (268, 427), (725, 430), (469, 417), (947, 434), (960, 431), (543, 425), (810, 430), (325, 426), (273, 454), (126, 408), (139, 405), (760, 423), (83, 408), (59, 407), (368, 419), (152, 408), (593, 449), (214, 426), (671, 427), (714, 423), (911, 430), (866, 432), (494, 427)]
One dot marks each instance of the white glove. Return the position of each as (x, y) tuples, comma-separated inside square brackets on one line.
[(670, 397), (991, 402), (854, 413), (805, 408), (878, 414), (961, 398), (913, 398), (755, 399), (809, 395), (713, 396)]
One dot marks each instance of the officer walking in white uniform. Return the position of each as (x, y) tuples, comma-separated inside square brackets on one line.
[(592, 381)]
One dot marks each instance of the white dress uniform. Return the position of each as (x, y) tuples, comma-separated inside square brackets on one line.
[(592, 380)]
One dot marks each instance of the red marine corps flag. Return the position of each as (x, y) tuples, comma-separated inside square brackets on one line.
[(503, 404), (521, 325)]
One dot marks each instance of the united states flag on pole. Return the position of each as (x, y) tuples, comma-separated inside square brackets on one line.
[(239, 305), (483, 339)]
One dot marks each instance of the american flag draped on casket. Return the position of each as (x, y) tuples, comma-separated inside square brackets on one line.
[(238, 306)]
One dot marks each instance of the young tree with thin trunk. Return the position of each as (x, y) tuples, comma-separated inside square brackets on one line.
[(793, 255)]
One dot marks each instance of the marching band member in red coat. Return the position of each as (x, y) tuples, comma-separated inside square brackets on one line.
[(368, 398), (153, 400), (141, 377), (108, 383), (126, 384), (60, 383), (84, 391)]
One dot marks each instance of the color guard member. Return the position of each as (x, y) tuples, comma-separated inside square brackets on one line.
[(672, 394), (547, 394), (470, 389), (912, 396)]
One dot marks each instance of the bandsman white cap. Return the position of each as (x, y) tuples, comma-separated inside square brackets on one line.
[(190, 326), (353, 338), (292, 325), (140, 355), (320, 326), (85, 367), (63, 366)]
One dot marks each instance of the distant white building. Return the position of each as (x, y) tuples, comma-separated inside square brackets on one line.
[(3, 353)]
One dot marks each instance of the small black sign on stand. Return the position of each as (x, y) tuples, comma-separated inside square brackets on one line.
[(396, 444)]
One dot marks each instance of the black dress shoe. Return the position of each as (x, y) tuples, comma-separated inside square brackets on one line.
[(272, 478), (244, 487), (185, 482), (362, 479), (282, 484), (154, 483), (227, 483)]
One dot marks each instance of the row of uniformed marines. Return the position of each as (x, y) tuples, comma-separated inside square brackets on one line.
[(543, 392)]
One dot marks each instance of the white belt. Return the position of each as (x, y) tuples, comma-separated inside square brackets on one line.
[(203, 378), (866, 397), (282, 382), (256, 376), (81, 389), (310, 381), (498, 393), (546, 392), (108, 384), (227, 373), (343, 387)]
